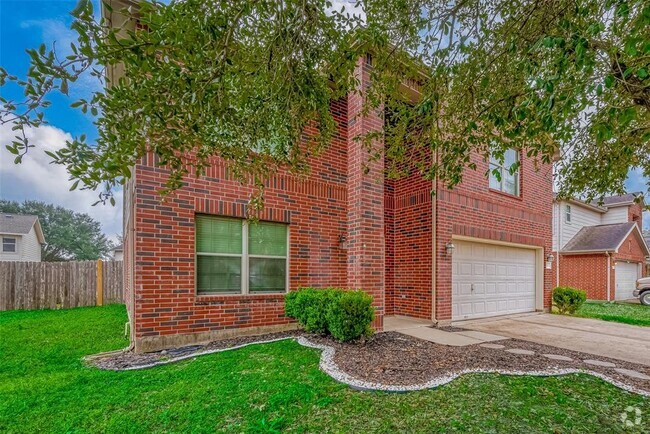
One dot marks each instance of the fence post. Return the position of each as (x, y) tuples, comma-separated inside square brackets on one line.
[(100, 282)]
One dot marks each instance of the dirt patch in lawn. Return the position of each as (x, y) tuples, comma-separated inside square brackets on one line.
[(398, 360)]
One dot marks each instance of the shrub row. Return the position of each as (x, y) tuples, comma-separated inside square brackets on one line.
[(568, 300), (346, 315)]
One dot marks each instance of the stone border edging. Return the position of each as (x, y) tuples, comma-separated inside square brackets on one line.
[(328, 366)]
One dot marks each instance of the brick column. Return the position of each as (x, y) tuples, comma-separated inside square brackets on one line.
[(366, 242)]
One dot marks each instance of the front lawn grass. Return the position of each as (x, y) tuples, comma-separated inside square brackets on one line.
[(263, 388), (628, 313)]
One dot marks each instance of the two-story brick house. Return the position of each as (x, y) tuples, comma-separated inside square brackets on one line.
[(599, 248), (196, 269)]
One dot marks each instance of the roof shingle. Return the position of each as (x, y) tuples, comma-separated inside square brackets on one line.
[(600, 238), (16, 223)]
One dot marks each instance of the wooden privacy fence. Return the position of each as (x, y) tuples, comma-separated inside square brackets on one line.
[(56, 285)]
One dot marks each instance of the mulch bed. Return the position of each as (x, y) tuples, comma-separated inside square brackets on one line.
[(394, 359), (120, 360)]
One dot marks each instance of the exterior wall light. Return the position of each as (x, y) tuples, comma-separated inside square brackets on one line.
[(343, 241), (450, 248), (550, 258)]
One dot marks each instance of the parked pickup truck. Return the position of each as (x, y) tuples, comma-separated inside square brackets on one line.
[(643, 290)]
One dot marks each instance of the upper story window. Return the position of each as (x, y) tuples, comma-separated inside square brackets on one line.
[(502, 175), (8, 244), (567, 214), (234, 256)]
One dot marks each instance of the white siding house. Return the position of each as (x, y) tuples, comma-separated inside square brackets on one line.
[(615, 215), (21, 238), (571, 216)]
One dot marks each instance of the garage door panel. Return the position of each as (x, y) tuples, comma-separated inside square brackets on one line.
[(626, 276), (501, 281), (465, 288)]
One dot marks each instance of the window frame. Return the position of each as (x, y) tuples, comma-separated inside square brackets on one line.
[(15, 244), (245, 258), (567, 213), (501, 165)]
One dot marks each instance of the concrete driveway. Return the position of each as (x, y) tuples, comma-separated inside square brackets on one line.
[(600, 338)]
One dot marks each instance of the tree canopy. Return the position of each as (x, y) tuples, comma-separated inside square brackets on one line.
[(244, 80), (69, 235)]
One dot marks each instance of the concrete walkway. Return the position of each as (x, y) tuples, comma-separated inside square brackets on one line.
[(423, 329), (592, 336)]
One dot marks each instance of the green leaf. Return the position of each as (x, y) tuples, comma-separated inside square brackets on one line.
[(79, 8)]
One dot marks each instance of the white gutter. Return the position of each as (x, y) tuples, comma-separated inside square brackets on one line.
[(558, 212), (579, 252)]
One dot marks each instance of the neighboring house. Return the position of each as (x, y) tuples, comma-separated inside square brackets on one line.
[(118, 253), (646, 237), (599, 248), (196, 269), (22, 238)]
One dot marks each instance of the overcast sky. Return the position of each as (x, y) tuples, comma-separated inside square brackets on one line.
[(26, 24)]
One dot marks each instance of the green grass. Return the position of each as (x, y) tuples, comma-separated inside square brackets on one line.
[(628, 313), (263, 388)]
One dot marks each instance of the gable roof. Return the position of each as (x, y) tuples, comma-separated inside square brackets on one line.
[(622, 199), (603, 238), (20, 224), (607, 202)]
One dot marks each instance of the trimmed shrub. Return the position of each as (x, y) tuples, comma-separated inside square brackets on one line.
[(309, 307), (346, 315), (350, 315), (291, 304), (568, 300)]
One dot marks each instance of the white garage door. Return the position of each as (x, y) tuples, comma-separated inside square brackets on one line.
[(489, 280), (626, 275)]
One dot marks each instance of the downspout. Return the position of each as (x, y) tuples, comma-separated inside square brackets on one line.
[(559, 244), (434, 248), (609, 278)]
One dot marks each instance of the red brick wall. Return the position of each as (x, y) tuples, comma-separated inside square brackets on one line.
[(316, 209), (473, 210), (587, 272), (387, 225), (631, 249), (635, 213), (366, 246), (408, 246)]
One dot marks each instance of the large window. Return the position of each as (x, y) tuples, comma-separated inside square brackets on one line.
[(234, 256), (9, 244), (502, 175)]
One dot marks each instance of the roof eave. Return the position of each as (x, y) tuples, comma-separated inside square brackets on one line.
[(583, 252), (39, 231), (583, 205)]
